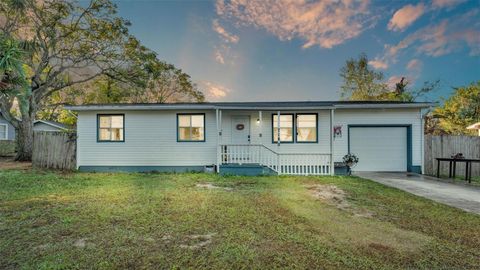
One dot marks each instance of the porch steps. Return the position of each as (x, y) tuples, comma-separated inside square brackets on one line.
[(245, 169)]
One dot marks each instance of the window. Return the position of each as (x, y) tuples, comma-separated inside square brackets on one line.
[(3, 131), (191, 127), (111, 128), (285, 130), (306, 128)]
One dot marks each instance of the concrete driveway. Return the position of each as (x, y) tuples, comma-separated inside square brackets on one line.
[(457, 195)]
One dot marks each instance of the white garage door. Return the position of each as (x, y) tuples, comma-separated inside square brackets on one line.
[(379, 148)]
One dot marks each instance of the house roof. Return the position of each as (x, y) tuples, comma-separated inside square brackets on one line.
[(276, 105), (52, 123)]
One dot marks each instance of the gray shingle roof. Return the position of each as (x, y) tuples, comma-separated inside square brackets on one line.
[(252, 105), (53, 123)]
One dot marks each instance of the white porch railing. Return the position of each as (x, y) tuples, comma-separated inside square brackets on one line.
[(282, 163)]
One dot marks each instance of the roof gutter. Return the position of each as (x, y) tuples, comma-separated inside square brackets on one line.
[(384, 106), (191, 107)]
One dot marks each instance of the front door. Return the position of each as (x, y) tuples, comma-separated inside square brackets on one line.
[(241, 129)]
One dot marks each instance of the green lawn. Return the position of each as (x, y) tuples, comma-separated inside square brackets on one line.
[(62, 221), (460, 179)]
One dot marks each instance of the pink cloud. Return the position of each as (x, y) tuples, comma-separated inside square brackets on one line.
[(226, 36), (393, 80), (414, 65), (219, 56), (323, 23), (448, 36), (445, 3), (214, 91), (405, 16), (378, 64), (223, 52)]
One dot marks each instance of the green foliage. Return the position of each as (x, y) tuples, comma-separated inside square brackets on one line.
[(350, 160), (460, 110), (360, 82), (13, 81), (68, 44), (7, 148)]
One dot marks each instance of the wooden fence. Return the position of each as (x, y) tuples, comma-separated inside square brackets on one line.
[(447, 146), (55, 150)]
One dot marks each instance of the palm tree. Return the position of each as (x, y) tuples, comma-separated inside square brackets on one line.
[(13, 82)]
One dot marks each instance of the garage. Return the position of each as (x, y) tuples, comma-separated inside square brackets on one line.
[(379, 148)]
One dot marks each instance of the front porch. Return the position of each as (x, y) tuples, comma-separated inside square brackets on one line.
[(267, 142), (259, 156)]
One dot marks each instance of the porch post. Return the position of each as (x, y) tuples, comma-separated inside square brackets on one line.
[(260, 128), (332, 148), (278, 128), (218, 140), (220, 134)]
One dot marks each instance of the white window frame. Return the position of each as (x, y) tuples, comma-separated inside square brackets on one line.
[(275, 135), (190, 115), (99, 127), (297, 127)]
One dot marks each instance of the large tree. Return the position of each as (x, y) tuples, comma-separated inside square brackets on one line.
[(360, 82), (66, 43), (168, 85), (460, 110)]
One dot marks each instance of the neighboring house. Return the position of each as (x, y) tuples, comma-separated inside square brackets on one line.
[(44, 125), (250, 137), (475, 126), (7, 131)]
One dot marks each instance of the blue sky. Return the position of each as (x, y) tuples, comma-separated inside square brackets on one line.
[(293, 50)]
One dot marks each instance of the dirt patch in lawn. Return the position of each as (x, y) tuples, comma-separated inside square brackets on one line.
[(8, 163), (197, 241), (82, 243), (337, 197), (212, 186)]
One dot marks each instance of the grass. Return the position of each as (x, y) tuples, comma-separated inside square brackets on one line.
[(475, 181), (50, 220)]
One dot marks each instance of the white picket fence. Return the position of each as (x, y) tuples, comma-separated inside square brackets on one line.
[(282, 163)]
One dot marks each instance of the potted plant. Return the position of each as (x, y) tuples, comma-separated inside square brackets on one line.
[(350, 160)]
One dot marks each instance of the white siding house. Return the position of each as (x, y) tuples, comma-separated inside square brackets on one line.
[(386, 136), (44, 125), (7, 131)]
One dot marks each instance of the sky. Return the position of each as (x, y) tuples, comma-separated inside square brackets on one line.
[(280, 50)]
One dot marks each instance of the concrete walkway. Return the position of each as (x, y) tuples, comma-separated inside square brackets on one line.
[(457, 195)]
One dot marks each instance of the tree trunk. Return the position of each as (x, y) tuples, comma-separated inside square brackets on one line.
[(25, 138)]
